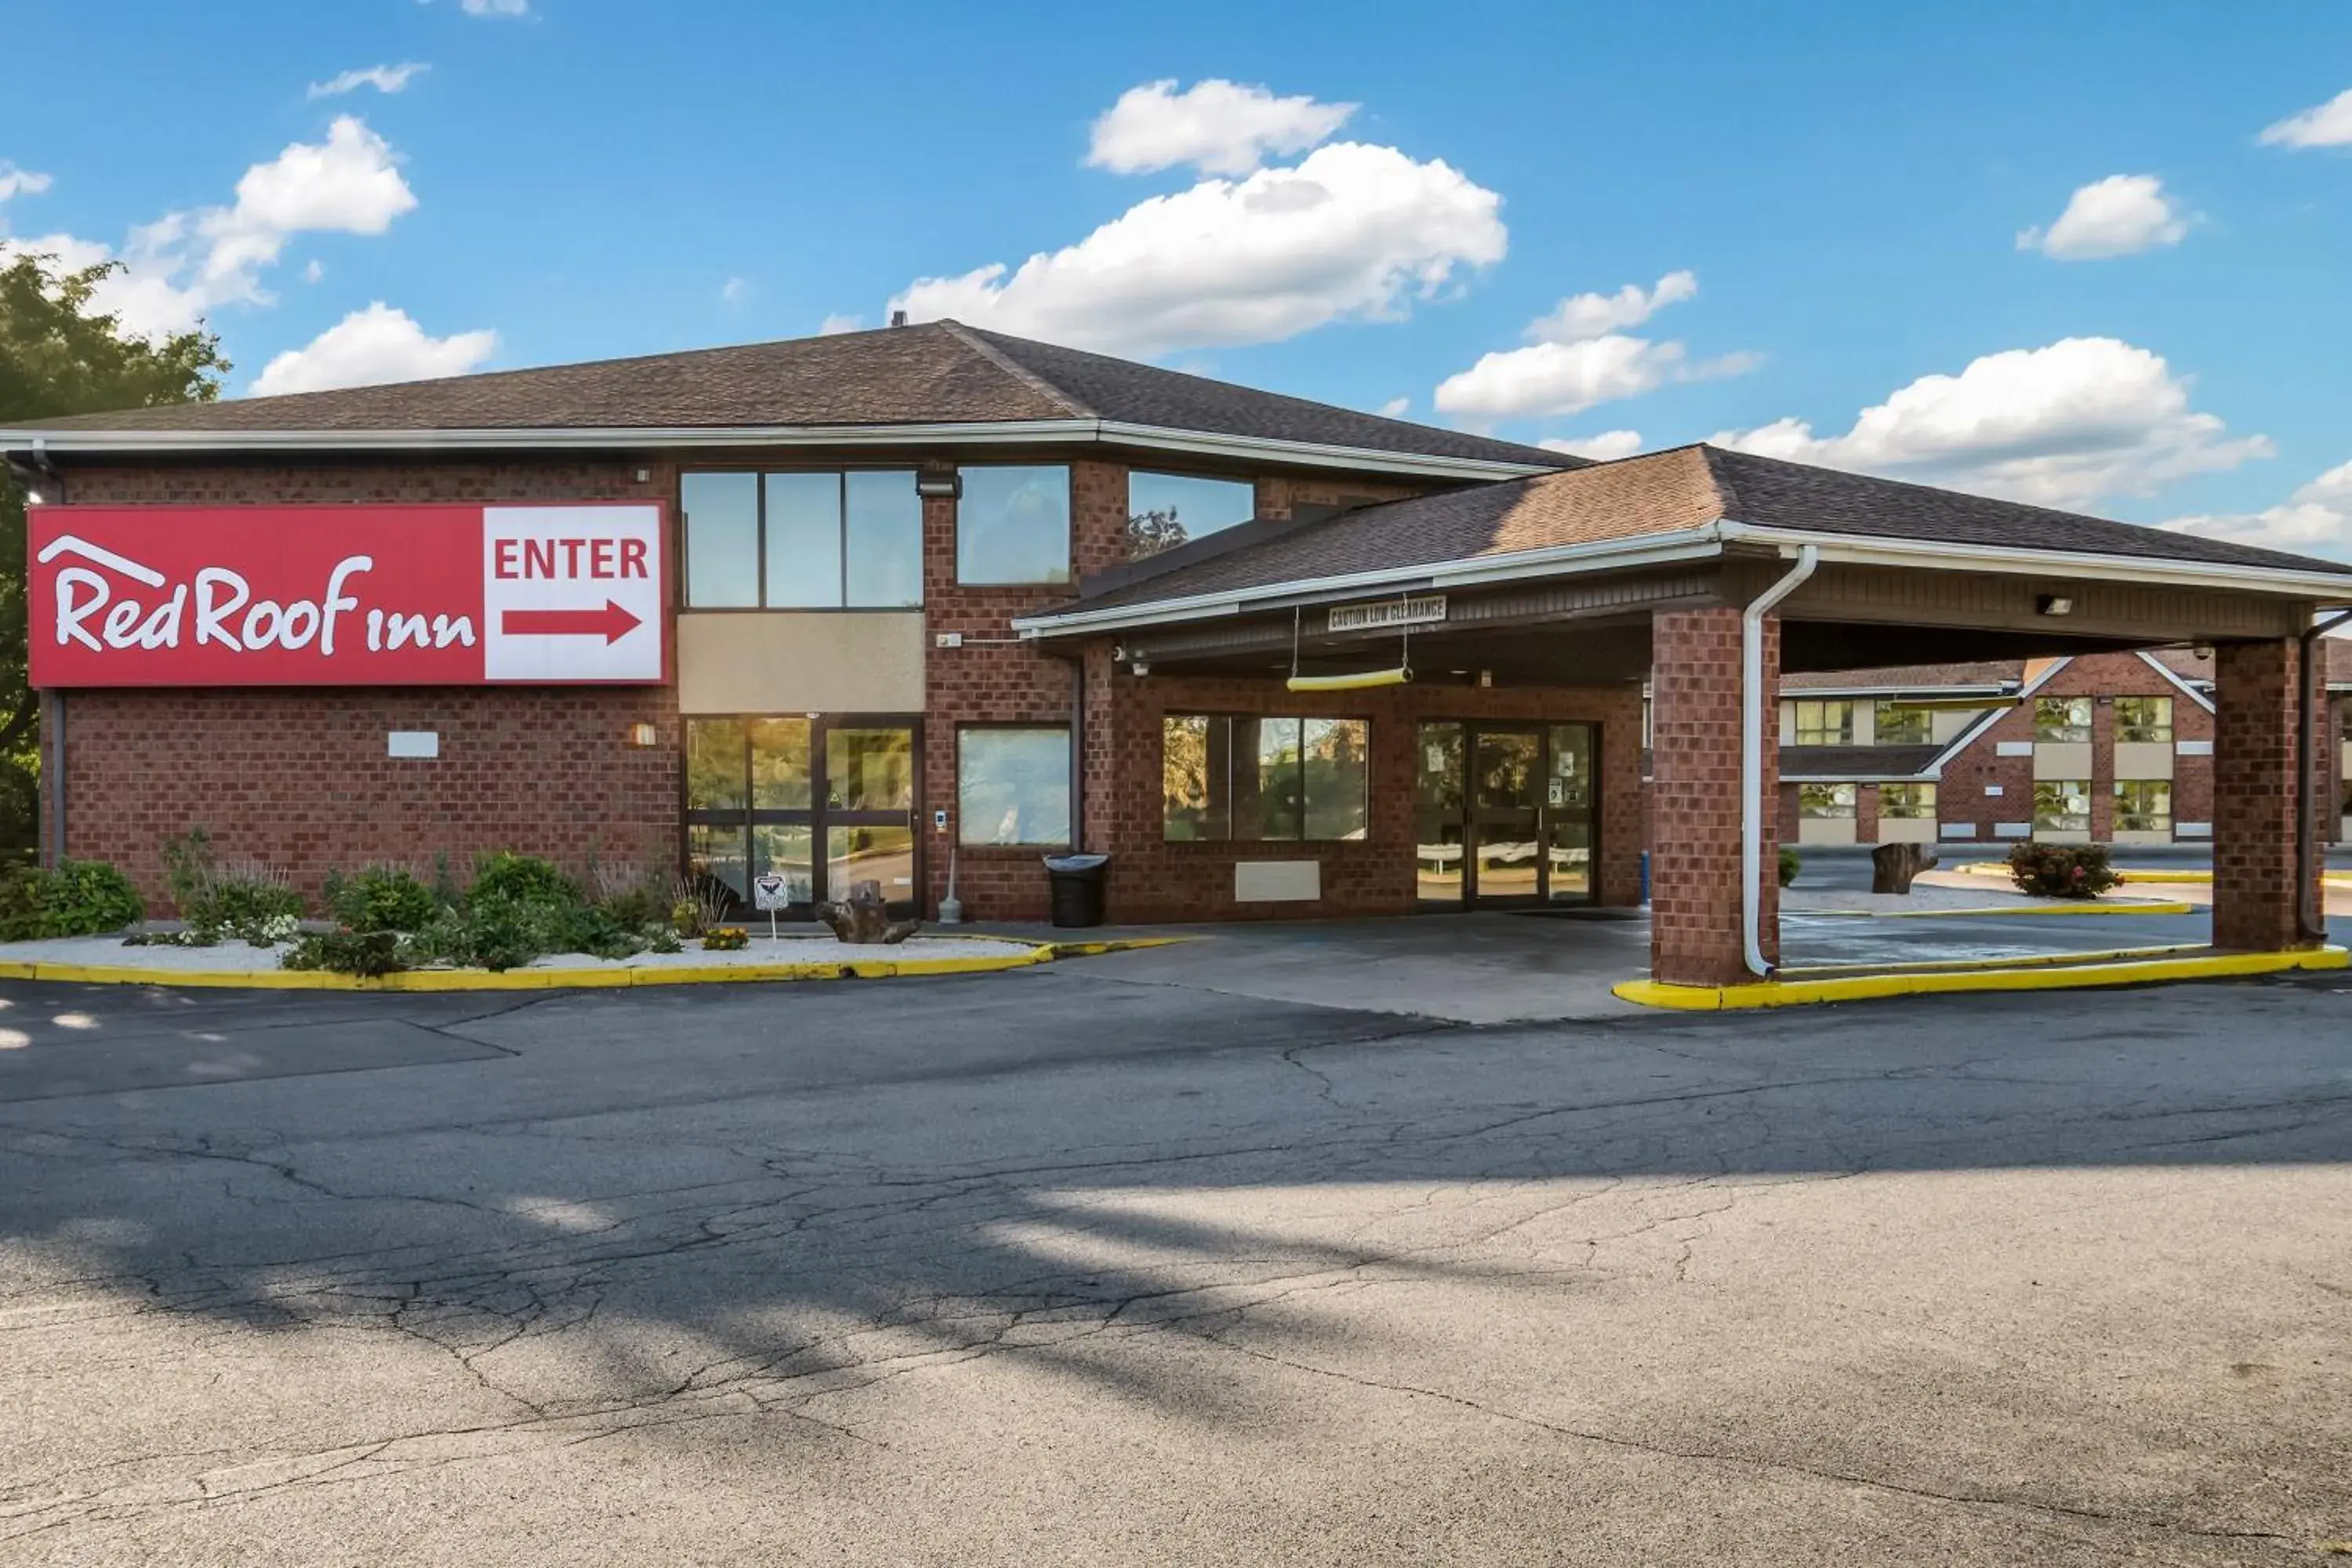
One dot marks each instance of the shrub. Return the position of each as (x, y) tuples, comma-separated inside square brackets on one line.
[(506, 875), (698, 903), (20, 903), (348, 953), (381, 897), (2062, 870), (626, 895), (87, 898), (243, 899), (1791, 864), (725, 939)]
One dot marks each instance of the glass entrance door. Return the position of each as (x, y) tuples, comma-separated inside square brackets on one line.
[(1505, 814), (826, 802)]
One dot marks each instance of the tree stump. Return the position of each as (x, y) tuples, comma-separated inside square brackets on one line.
[(1892, 866), (863, 918)]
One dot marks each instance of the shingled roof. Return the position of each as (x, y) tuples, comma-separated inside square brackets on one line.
[(942, 372), (1680, 489)]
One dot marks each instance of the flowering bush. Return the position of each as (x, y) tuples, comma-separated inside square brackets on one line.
[(724, 939), (2062, 870)]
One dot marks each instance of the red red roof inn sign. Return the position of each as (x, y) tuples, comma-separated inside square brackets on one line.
[(346, 595)]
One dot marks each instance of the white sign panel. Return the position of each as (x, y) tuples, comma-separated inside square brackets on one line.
[(769, 892), (572, 592), (1408, 612)]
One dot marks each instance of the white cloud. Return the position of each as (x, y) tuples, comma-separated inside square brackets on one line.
[(315, 271), (1353, 232), (496, 7), (2326, 124), (1581, 315), (734, 291), (345, 185), (1218, 127), (2119, 216), (2317, 517), (2060, 427), (1605, 448), (369, 347), (837, 323), (1395, 408), (16, 182), (383, 79), (1575, 358), (178, 268)]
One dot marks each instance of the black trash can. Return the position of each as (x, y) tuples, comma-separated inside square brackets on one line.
[(1077, 887)]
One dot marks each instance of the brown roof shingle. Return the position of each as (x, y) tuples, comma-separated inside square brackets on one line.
[(939, 372)]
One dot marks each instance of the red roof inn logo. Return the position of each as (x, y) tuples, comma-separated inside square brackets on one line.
[(346, 595)]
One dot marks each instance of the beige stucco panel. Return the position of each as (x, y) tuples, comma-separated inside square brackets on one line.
[(2141, 836), (1826, 830), (843, 661), (2143, 758), (1905, 830), (2062, 760), (1945, 726)]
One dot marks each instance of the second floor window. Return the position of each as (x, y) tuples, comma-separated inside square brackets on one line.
[(1012, 526), (2062, 719), (1164, 510), (803, 539), (1899, 726), (1824, 724), (2144, 718)]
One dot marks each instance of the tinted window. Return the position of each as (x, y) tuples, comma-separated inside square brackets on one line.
[(723, 539), (1012, 525), (1164, 510), (1013, 786), (884, 532)]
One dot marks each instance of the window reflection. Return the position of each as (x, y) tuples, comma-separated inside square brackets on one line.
[(1012, 525)]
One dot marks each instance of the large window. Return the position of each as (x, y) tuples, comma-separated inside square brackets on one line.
[(1264, 777), (1826, 800), (1013, 784), (2061, 718), (1897, 725), (2062, 806), (2144, 718), (1012, 526), (1824, 724), (813, 539), (1164, 510), (1907, 802), (2144, 805)]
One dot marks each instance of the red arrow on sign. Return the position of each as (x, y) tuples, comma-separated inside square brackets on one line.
[(611, 623)]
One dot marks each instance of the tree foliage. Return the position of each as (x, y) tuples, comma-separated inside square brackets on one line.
[(59, 355)]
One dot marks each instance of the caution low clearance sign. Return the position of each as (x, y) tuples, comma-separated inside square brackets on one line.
[(346, 595)]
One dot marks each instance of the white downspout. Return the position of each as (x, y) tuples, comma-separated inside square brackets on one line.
[(1751, 756)]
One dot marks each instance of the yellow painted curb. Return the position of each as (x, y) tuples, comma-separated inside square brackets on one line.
[(416, 980), (2021, 961), (2042, 977), (2144, 907), (2136, 874)]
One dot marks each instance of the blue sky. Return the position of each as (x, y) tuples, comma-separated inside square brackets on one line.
[(1845, 186)]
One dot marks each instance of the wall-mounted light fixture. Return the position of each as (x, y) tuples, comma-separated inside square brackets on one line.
[(2054, 605), (645, 736), (939, 485), (1141, 667)]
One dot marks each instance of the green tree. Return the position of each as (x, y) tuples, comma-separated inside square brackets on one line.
[(59, 355)]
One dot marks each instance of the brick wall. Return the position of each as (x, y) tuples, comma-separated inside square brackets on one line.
[(994, 679), (1695, 807), (299, 776), (2258, 692), (1152, 879)]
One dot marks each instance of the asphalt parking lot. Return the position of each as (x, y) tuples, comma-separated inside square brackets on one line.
[(1128, 1260)]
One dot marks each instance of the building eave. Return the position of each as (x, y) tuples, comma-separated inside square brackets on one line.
[(705, 438)]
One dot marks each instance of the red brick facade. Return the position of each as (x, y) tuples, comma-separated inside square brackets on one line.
[(2258, 693), (1695, 806)]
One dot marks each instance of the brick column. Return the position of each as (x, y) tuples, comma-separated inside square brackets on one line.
[(1694, 797), (2257, 697)]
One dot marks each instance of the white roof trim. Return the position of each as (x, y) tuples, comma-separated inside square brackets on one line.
[(2177, 678), (1977, 732), (1927, 554), (1898, 692), (1643, 550), (709, 437)]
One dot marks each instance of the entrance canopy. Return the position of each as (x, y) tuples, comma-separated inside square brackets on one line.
[(1555, 578)]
